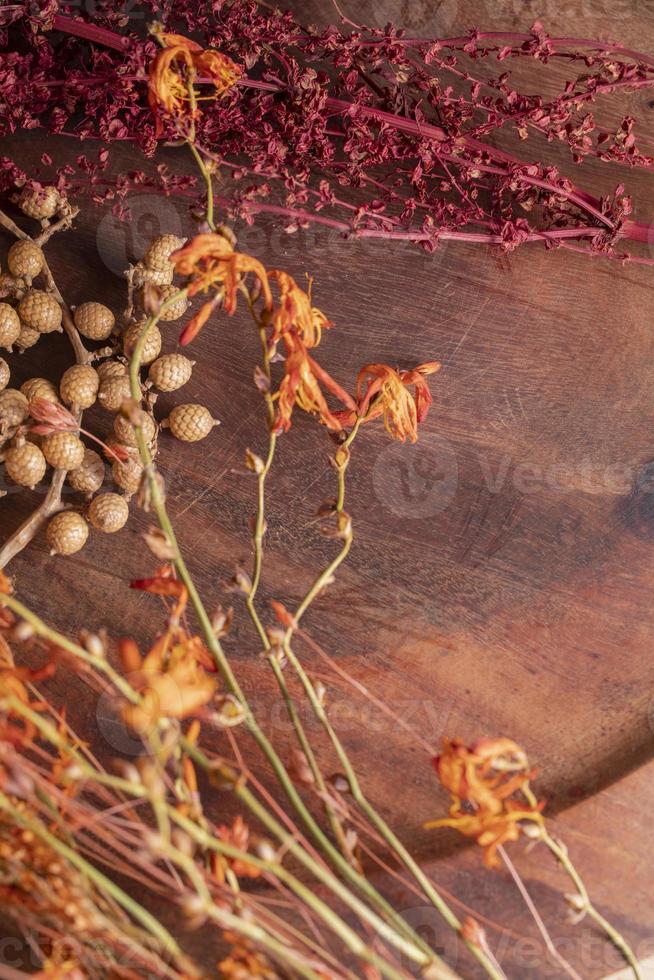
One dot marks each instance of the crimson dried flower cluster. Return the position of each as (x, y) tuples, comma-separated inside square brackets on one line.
[(368, 132)]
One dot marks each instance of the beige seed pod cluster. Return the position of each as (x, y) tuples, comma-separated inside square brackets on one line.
[(25, 260), (25, 464), (63, 450), (5, 373), (190, 423), (152, 345), (124, 430), (170, 372), (113, 392), (40, 204), (9, 326), (94, 321), (177, 309), (67, 533), (160, 250), (108, 512), (26, 338), (39, 388), (127, 474), (111, 369), (89, 476), (79, 386), (13, 408), (40, 311), (9, 286)]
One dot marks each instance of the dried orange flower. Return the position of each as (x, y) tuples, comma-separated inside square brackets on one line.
[(383, 391), (211, 263), (483, 781), (245, 963), (301, 386), (175, 68), (172, 677), (295, 312), (239, 836)]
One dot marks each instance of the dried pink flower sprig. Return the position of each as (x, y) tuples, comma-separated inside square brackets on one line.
[(406, 124)]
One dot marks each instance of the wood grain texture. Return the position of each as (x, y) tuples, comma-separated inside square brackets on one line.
[(501, 576)]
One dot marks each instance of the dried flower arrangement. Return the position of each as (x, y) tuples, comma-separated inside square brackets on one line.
[(64, 818)]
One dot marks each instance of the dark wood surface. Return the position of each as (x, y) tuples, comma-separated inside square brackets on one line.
[(501, 577)]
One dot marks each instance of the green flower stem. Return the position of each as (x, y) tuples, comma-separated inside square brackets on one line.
[(229, 677), (395, 844), (141, 915), (586, 905)]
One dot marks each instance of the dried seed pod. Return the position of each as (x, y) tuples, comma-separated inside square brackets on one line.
[(177, 309), (79, 386), (111, 369), (27, 338), (113, 392), (170, 372), (152, 345), (67, 533), (5, 373), (39, 388), (25, 464), (94, 320), (108, 512), (40, 311), (13, 408), (159, 277), (89, 476), (25, 260), (63, 450), (9, 326), (190, 423), (124, 430), (127, 474), (160, 250), (40, 204)]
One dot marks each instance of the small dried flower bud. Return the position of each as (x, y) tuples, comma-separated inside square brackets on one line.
[(25, 260), (79, 386), (40, 311), (89, 476), (13, 407), (266, 851), (67, 533), (22, 632), (114, 391), (127, 475), (340, 782), (108, 512), (190, 423), (111, 369), (94, 320), (9, 326), (39, 388), (159, 277), (151, 347), (27, 338), (64, 450), (93, 643), (254, 462), (176, 309), (124, 430), (25, 464), (160, 250), (170, 372), (40, 203)]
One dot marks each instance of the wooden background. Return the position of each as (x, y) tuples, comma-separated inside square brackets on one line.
[(501, 577)]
